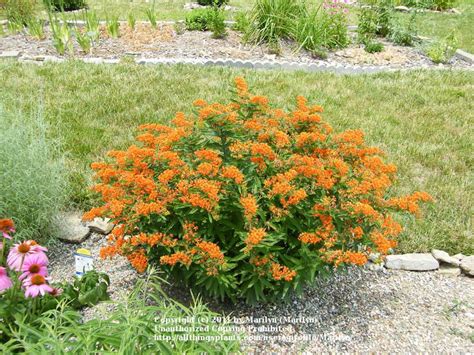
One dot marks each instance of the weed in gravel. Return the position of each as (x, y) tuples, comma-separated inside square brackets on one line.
[(131, 21), (113, 26), (36, 28)]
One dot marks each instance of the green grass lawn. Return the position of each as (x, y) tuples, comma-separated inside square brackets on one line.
[(440, 25), (423, 120)]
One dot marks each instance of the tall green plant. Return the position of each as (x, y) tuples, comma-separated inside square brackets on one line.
[(322, 28), (62, 39), (36, 28), (273, 20), (33, 178), (92, 25), (113, 26), (21, 11)]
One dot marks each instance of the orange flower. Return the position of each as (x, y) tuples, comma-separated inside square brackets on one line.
[(138, 260), (199, 103), (254, 237), (280, 272), (249, 203), (232, 172), (175, 258), (241, 85), (357, 232), (355, 258), (259, 100), (211, 250)]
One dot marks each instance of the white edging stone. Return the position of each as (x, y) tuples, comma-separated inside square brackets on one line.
[(444, 257), (468, 57), (9, 54), (412, 262)]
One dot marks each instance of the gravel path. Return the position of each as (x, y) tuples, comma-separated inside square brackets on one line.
[(357, 310)]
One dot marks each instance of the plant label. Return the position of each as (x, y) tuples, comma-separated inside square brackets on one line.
[(84, 261)]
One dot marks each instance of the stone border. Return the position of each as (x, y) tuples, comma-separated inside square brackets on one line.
[(438, 260), (466, 56), (233, 63)]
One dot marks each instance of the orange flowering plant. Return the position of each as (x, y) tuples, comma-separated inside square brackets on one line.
[(242, 200)]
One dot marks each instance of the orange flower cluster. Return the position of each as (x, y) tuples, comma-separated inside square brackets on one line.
[(138, 260), (280, 272), (249, 203), (254, 237), (175, 258), (188, 190)]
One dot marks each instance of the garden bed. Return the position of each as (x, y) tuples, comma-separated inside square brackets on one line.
[(164, 42), (354, 310)]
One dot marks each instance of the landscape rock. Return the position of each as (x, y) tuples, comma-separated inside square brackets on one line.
[(459, 256), (449, 270), (9, 54), (71, 229), (402, 8), (468, 57), (101, 226), (444, 257), (467, 265), (412, 262)]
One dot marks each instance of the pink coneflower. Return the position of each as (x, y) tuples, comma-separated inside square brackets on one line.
[(55, 292), (5, 282), (36, 285), (34, 264), (20, 251), (7, 226)]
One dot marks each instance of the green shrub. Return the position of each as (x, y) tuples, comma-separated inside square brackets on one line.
[(375, 19), (439, 5), (242, 22), (33, 182), (20, 11), (245, 200), (441, 51), (443, 4), (212, 2), (136, 326), (404, 35), (373, 47), (199, 20), (217, 23), (65, 5)]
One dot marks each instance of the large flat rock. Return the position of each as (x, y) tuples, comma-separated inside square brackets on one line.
[(444, 257), (70, 227), (467, 265), (412, 262)]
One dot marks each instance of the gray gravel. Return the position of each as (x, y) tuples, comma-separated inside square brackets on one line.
[(121, 273), (359, 310)]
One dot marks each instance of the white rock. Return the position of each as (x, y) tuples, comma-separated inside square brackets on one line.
[(449, 270), (459, 256), (402, 8), (101, 225), (467, 265), (9, 54), (70, 227), (444, 257), (413, 262)]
